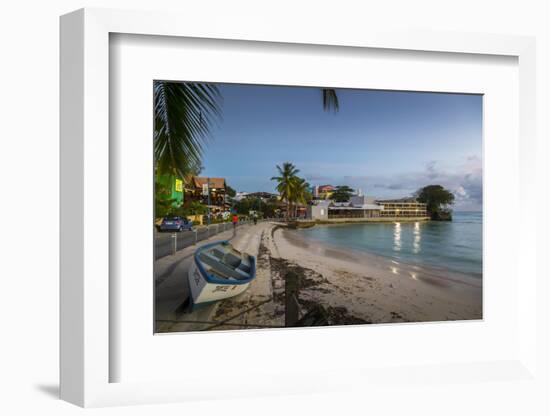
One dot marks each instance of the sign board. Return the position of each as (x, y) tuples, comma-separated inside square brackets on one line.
[(205, 189), (179, 185)]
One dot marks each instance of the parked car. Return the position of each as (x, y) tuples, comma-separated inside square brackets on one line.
[(175, 224)]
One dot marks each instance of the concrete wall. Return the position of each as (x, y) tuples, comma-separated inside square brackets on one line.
[(375, 219), (317, 212)]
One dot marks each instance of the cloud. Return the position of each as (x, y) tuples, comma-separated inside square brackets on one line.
[(464, 180), (431, 169), (393, 186), (315, 177)]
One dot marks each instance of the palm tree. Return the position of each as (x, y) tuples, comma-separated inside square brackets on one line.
[(184, 115), (330, 100), (286, 183), (300, 192)]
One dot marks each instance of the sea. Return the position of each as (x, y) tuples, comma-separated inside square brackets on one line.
[(454, 245)]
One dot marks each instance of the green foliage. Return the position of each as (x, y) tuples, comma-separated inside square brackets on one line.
[(291, 188), (230, 191), (342, 194), (192, 208), (437, 200), (263, 208), (164, 204), (286, 180), (184, 114), (330, 100)]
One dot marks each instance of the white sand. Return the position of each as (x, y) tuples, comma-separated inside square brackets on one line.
[(354, 287), (378, 289)]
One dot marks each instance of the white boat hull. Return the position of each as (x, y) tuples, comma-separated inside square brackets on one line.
[(203, 291)]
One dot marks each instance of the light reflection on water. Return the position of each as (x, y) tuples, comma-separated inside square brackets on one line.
[(417, 238), (397, 237), (455, 245)]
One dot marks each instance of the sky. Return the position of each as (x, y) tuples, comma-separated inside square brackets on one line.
[(386, 143)]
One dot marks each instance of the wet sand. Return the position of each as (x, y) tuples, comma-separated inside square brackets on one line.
[(301, 282), (376, 289)]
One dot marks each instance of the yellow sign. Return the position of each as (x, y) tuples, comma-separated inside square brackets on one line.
[(179, 185)]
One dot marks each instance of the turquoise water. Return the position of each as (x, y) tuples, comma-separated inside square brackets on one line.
[(454, 245)]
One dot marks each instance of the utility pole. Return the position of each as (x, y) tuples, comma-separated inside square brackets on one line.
[(208, 203)]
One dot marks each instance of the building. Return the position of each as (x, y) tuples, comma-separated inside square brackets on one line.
[(208, 191), (404, 207), (365, 207), (240, 196), (264, 196), (323, 191), (358, 207), (171, 187)]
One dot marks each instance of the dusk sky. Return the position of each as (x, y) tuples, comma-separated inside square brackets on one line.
[(388, 144)]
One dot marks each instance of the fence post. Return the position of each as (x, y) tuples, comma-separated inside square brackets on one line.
[(175, 243)]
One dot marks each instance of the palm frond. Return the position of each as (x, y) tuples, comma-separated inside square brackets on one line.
[(185, 113), (330, 100)]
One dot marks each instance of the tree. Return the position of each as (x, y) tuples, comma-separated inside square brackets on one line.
[(342, 194), (286, 183), (330, 100), (300, 192), (184, 114), (230, 191), (437, 200), (164, 204)]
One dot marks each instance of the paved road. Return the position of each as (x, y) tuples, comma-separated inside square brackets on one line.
[(164, 242), (171, 287)]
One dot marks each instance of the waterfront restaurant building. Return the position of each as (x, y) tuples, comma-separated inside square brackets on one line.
[(404, 207), (357, 207), (363, 207)]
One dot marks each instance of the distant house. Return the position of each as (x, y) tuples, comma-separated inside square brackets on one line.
[(264, 196), (323, 191), (209, 191), (240, 195)]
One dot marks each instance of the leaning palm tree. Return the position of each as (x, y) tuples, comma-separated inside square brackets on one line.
[(184, 115), (286, 183)]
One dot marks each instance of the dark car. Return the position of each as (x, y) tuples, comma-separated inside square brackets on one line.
[(175, 224)]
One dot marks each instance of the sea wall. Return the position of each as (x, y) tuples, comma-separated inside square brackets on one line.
[(309, 223)]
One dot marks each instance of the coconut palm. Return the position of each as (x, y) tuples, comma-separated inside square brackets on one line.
[(300, 193), (330, 100), (184, 115), (286, 183)]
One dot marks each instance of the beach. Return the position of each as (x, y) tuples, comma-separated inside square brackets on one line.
[(303, 282), (373, 288)]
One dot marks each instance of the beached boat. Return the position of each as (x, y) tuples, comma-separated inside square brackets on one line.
[(219, 271)]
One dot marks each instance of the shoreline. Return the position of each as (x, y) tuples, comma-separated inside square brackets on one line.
[(378, 289), (295, 237), (304, 283)]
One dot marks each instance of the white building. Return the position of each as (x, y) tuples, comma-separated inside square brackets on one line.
[(357, 207)]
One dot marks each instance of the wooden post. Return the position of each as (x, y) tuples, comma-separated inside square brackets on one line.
[(292, 308)]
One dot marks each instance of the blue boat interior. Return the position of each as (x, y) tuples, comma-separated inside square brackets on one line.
[(223, 261)]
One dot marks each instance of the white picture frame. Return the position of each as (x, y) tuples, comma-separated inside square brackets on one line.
[(85, 211)]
